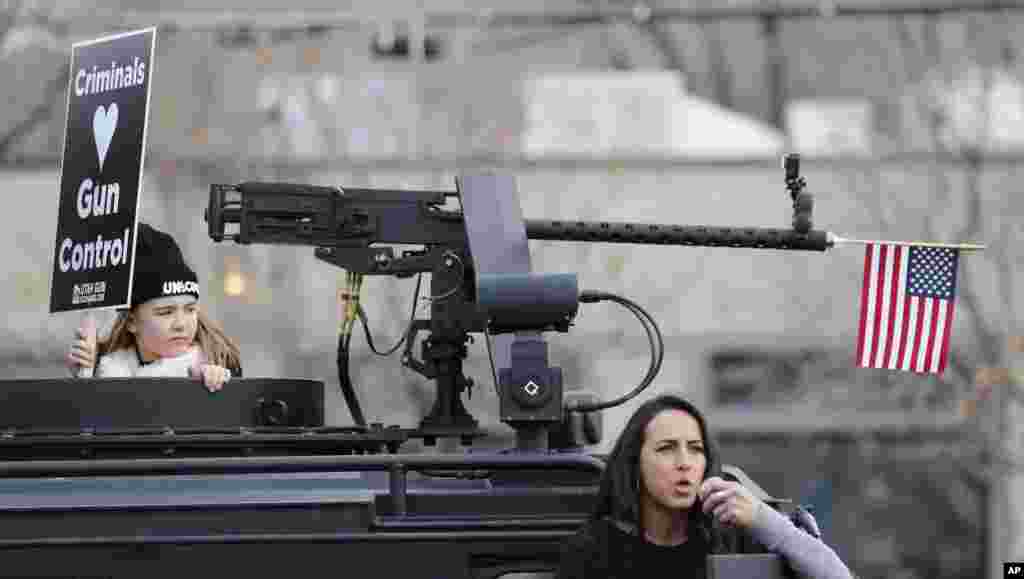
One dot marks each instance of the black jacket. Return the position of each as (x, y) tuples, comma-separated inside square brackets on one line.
[(607, 549)]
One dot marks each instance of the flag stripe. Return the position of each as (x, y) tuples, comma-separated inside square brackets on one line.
[(877, 306), (864, 303), (898, 315), (881, 308), (910, 323), (889, 307), (945, 338), (925, 337), (940, 335), (932, 336), (920, 338), (877, 270)]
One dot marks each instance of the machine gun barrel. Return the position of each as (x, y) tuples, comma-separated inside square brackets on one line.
[(695, 235), (281, 213)]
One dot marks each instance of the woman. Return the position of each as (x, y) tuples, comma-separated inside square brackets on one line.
[(660, 510), (164, 333)]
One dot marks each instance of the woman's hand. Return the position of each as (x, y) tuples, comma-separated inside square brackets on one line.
[(212, 375), (729, 502), (83, 349)]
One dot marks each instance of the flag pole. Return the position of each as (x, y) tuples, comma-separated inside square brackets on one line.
[(836, 240)]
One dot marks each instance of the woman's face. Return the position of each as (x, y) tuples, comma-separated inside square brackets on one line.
[(672, 460), (165, 327)]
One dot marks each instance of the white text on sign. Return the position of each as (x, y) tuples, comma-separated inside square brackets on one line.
[(90, 255), (96, 200), (114, 78)]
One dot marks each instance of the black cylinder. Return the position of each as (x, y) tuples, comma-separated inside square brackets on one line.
[(803, 208), (693, 235)]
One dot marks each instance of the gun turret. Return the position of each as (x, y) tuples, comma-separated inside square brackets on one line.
[(351, 228)]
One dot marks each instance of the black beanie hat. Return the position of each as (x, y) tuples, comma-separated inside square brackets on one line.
[(160, 268)]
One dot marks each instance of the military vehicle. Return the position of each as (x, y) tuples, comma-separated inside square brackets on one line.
[(128, 477)]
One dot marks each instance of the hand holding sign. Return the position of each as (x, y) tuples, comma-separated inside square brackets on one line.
[(82, 357)]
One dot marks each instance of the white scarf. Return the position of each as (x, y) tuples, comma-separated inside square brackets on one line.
[(125, 364)]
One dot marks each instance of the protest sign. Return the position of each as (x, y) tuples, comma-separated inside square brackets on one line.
[(101, 171)]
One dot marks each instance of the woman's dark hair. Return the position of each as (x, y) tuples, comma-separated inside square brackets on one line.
[(619, 494)]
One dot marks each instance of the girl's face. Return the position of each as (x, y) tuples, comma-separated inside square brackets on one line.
[(672, 460), (165, 327)]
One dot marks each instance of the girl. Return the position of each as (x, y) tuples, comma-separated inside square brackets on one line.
[(660, 512), (164, 333)]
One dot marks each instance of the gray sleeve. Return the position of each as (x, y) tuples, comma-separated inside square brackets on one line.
[(808, 556)]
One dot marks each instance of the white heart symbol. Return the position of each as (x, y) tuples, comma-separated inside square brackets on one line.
[(103, 124)]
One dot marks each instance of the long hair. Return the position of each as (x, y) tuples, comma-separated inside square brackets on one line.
[(218, 347), (621, 486)]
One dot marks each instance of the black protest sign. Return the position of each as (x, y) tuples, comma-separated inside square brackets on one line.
[(101, 171)]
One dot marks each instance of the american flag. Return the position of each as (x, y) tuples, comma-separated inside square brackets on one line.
[(906, 307)]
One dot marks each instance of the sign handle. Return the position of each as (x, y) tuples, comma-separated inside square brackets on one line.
[(87, 331)]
